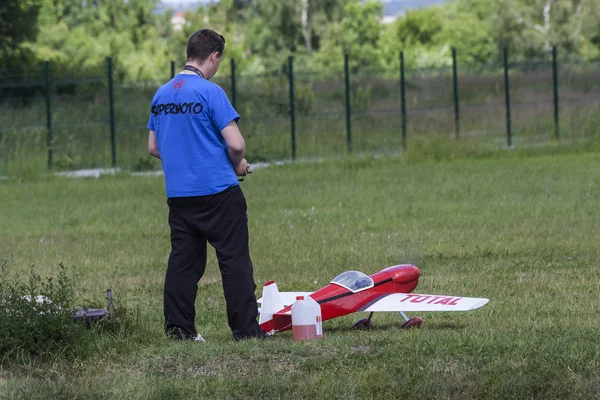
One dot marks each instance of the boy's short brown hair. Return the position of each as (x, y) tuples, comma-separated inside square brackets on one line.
[(203, 43)]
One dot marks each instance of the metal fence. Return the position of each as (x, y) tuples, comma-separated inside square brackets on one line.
[(54, 120)]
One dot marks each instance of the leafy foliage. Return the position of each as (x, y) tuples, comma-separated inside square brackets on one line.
[(32, 326), (18, 23), (78, 36), (36, 319)]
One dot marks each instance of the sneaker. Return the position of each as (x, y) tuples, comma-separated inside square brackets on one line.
[(179, 334), (199, 339)]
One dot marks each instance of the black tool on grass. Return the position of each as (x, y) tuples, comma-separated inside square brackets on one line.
[(90, 315)]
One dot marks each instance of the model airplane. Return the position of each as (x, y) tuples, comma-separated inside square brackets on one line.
[(353, 291)]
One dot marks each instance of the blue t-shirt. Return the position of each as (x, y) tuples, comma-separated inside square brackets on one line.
[(188, 114)]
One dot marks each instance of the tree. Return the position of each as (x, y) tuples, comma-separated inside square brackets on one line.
[(422, 35), (18, 23), (530, 28), (362, 30), (553, 22), (590, 40), (78, 36), (357, 33), (276, 29)]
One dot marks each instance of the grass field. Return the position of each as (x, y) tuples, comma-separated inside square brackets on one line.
[(520, 229)]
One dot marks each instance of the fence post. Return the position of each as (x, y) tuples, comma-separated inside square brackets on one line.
[(111, 110), (48, 110), (233, 89), (507, 96), (455, 87), (172, 69), (555, 84), (292, 106), (348, 105), (403, 100)]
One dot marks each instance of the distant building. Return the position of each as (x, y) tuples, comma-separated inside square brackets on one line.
[(178, 20)]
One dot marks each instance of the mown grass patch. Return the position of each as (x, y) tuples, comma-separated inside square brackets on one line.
[(520, 228)]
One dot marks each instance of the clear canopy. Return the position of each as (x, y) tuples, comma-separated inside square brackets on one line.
[(353, 280)]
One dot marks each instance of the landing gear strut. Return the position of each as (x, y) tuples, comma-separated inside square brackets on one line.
[(365, 323), (415, 322)]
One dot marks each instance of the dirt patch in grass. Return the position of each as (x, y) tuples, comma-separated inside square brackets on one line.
[(202, 370), (362, 349), (279, 364)]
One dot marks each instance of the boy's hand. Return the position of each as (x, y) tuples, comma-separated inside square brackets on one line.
[(242, 168)]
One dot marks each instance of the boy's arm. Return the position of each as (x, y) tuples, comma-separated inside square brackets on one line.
[(153, 145), (236, 148)]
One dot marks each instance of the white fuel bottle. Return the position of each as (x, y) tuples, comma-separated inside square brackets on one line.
[(306, 319)]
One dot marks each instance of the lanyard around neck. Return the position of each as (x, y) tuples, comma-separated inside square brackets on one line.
[(194, 70)]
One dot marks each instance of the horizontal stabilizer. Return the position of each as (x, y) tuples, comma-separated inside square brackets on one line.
[(287, 298), (423, 302), (273, 301)]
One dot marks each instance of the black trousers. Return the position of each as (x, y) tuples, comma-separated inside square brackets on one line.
[(221, 219)]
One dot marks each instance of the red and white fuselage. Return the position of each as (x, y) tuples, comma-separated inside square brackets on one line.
[(337, 300), (353, 291)]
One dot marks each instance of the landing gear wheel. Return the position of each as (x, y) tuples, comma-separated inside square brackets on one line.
[(412, 323), (363, 324)]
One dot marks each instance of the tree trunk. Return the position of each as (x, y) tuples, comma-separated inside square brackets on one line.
[(306, 26)]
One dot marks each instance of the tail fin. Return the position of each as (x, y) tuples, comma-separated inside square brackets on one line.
[(271, 302)]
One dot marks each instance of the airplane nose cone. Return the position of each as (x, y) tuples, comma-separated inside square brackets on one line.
[(403, 273)]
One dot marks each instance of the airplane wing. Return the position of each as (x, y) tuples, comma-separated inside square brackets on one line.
[(288, 298), (423, 302)]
